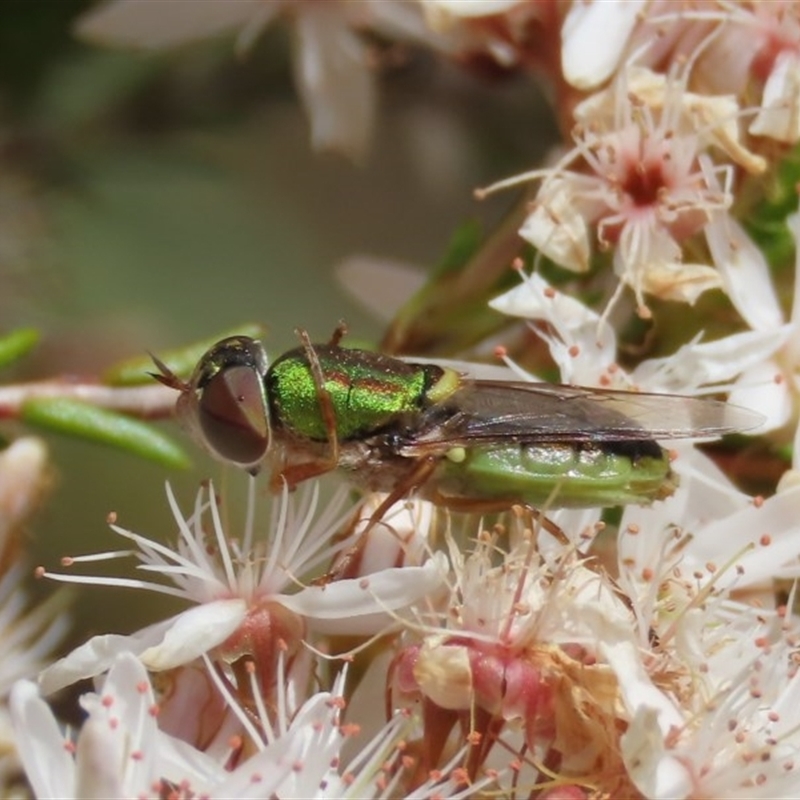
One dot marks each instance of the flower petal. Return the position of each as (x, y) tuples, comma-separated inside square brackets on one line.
[(637, 689), (576, 325), (40, 743), (469, 8), (744, 531), (593, 38), (114, 730), (166, 23), (166, 644), (779, 117), (652, 716), (381, 285), (100, 761), (656, 773), (678, 280), (534, 298), (195, 632), (359, 605), (557, 226), (764, 389), (708, 363), (744, 272), (334, 79), (96, 656)]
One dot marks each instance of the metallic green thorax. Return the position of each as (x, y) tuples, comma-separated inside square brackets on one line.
[(368, 391)]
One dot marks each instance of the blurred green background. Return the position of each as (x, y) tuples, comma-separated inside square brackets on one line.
[(147, 200)]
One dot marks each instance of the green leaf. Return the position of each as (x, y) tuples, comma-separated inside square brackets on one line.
[(449, 314), (85, 421), (766, 221), (16, 344), (136, 371), (785, 452), (463, 244)]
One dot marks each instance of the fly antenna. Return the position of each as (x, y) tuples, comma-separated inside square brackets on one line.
[(166, 376)]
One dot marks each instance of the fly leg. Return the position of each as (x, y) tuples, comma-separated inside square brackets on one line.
[(421, 472), (543, 521), (338, 334), (297, 473), (347, 565), (467, 505)]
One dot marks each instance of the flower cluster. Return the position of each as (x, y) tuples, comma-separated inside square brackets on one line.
[(556, 646), (29, 632)]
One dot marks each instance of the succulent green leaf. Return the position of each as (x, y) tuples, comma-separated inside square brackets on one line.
[(16, 344), (85, 421), (181, 361)]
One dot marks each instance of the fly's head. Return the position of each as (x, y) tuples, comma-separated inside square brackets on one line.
[(224, 403)]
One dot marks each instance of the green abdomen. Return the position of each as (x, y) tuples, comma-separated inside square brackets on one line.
[(558, 475), (368, 392)]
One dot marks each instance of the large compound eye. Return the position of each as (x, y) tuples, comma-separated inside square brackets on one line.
[(233, 415), (231, 402)]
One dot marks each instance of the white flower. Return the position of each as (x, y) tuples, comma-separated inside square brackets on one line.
[(729, 751), (316, 737), (378, 769), (102, 763), (707, 688), (584, 346), (756, 51), (707, 533), (29, 633), (498, 29), (242, 606), (771, 385), (513, 658), (712, 118), (332, 62), (640, 178), (707, 673), (715, 715), (121, 753)]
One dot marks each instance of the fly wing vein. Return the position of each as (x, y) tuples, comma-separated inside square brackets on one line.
[(490, 411)]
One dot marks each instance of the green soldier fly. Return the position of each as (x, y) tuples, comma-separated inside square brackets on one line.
[(397, 425)]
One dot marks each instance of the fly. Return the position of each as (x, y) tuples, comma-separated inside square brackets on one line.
[(398, 426)]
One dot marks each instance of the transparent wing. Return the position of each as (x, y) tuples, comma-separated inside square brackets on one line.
[(486, 411)]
